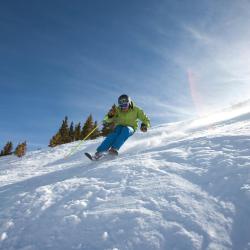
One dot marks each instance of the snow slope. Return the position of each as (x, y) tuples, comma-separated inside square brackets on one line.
[(183, 185)]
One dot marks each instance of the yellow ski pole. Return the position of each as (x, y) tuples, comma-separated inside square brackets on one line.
[(85, 138)]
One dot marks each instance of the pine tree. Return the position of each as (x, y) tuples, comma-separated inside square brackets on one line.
[(62, 136), (56, 140), (87, 127), (7, 150), (21, 149), (77, 132), (96, 133), (64, 131), (71, 132)]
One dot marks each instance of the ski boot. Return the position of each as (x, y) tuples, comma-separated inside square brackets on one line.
[(97, 155), (113, 151)]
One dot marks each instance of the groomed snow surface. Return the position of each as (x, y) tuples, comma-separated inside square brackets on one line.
[(183, 185)]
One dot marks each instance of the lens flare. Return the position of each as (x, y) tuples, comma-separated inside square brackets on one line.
[(195, 94)]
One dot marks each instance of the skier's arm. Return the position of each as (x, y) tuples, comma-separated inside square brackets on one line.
[(143, 117), (109, 117)]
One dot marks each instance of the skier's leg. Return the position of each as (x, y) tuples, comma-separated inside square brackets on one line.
[(125, 133), (109, 140)]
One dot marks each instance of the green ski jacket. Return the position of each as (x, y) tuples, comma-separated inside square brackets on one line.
[(129, 118)]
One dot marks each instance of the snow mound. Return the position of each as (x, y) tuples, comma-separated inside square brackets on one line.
[(183, 185)]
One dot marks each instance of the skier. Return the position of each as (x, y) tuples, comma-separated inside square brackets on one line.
[(125, 118)]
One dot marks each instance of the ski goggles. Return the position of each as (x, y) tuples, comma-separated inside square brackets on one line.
[(123, 101)]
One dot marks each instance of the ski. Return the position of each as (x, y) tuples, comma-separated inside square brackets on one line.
[(93, 158), (90, 156), (106, 155)]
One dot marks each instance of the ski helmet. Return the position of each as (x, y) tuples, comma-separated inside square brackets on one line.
[(124, 101)]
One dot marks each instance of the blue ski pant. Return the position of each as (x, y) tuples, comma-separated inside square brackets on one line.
[(116, 139)]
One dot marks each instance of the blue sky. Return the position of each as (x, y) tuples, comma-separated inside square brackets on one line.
[(176, 59)]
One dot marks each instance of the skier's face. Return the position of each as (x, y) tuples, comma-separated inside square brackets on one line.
[(124, 106), (125, 109)]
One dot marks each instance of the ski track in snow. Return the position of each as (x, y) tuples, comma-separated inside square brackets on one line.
[(184, 185)]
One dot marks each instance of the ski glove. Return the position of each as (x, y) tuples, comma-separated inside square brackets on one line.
[(111, 112), (144, 127)]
